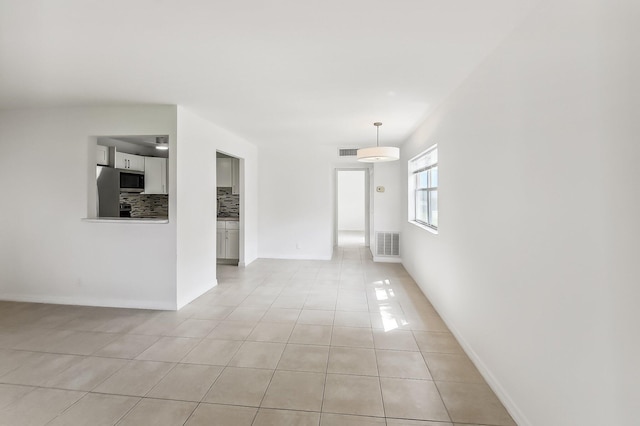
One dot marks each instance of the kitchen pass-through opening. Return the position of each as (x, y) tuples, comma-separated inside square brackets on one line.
[(131, 178)]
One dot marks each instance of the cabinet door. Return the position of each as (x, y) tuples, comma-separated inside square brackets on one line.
[(223, 172), (221, 235), (233, 244), (121, 160), (155, 175), (164, 176), (102, 155), (136, 162), (129, 161), (235, 176)]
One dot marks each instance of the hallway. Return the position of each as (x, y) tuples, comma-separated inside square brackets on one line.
[(281, 342), (351, 239)]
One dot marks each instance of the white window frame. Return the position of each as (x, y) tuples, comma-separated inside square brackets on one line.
[(414, 167)]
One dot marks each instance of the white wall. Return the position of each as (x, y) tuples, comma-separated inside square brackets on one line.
[(297, 199), (387, 204), (535, 265), (47, 254), (296, 202), (199, 140), (351, 198), (387, 210)]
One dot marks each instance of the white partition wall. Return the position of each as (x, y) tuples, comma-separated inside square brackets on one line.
[(199, 140), (47, 253)]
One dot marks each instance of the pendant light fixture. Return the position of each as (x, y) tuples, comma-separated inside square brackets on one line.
[(378, 154)]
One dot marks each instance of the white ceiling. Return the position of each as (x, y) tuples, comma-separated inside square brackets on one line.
[(290, 71)]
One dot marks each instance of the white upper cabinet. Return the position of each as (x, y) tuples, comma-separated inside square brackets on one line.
[(235, 176), (121, 160), (136, 163), (129, 161), (223, 172), (228, 174), (155, 175), (102, 155)]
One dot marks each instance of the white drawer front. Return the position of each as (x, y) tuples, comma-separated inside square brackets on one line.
[(233, 224)]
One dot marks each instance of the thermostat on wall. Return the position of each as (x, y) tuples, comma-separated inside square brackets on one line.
[(379, 188)]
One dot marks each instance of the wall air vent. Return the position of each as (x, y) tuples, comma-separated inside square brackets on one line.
[(387, 244), (347, 152)]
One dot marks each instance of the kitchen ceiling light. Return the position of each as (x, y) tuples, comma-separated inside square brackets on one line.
[(378, 154), (162, 143)]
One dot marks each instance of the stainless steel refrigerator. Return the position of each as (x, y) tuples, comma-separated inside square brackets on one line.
[(108, 197)]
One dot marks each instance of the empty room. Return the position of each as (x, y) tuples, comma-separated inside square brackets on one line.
[(338, 213)]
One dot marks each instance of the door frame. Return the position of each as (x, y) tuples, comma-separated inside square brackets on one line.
[(368, 171)]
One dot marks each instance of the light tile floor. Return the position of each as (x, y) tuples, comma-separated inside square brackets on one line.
[(341, 342), (351, 239)]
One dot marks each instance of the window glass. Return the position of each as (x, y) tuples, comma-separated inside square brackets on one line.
[(433, 208), (422, 212), (433, 177), (423, 188), (422, 179)]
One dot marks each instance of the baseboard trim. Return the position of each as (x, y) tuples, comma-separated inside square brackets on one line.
[(383, 259), (196, 294), (494, 384), (299, 257), (89, 301), (491, 380), (247, 262)]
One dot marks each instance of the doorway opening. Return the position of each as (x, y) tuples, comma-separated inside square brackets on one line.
[(352, 208), (228, 210)]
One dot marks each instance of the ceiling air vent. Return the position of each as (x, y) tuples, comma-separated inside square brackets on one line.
[(347, 152)]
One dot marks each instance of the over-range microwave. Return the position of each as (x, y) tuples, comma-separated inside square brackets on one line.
[(131, 182)]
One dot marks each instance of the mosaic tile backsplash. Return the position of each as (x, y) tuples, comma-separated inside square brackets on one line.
[(229, 204), (147, 205)]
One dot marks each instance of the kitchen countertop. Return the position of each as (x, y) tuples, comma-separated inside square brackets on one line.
[(228, 218), (125, 220)]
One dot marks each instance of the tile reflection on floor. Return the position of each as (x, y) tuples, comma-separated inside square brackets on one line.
[(340, 342)]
